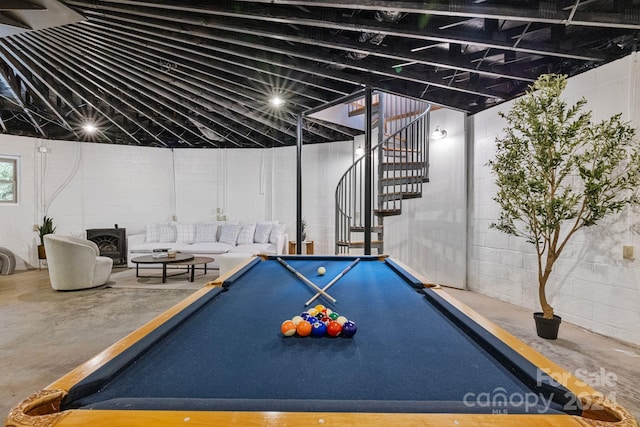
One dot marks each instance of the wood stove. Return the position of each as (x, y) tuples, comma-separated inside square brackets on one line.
[(112, 243)]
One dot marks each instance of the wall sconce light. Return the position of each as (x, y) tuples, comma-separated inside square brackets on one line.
[(439, 133), (359, 151)]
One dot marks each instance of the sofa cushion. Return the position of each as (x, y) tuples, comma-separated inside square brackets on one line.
[(202, 248), (152, 233), (185, 233), (245, 236), (263, 230), (206, 232), (277, 230), (255, 249), (229, 234), (167, 233)]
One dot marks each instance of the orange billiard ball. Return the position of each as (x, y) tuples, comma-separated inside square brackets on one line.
[(304, 328)]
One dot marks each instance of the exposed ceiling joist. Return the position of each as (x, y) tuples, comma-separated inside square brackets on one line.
[(168, 74)]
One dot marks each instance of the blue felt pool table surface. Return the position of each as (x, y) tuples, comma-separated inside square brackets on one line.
[(410, 354)]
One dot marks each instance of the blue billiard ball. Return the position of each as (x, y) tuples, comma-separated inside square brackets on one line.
[(349, 329), (319, 329)]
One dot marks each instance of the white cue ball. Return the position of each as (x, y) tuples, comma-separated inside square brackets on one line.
[(321, 271)]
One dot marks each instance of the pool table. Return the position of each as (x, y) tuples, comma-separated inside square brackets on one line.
[(419, 357)]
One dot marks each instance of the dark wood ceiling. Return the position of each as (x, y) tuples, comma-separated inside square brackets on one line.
[(172, 73)]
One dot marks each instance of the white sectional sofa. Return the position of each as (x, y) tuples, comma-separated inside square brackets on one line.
[(210, 239)]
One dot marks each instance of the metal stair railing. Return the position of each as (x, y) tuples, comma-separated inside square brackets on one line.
[(401, 162)]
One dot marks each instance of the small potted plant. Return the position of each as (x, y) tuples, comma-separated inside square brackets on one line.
[(45, 228), (557, 172)]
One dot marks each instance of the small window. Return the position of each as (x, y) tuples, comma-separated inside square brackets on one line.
[(8, 180)]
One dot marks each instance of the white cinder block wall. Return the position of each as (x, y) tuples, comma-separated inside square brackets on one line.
[(82, 186), (323, 165), (592, 285), (430, 235)]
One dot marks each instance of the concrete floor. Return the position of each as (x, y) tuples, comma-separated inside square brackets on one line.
[(46, 333)]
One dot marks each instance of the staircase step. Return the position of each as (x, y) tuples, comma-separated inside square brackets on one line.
[(360, 244), (401, 180), (405, 166), (391, 148), (360, 229), (399, 195), (387, 212)]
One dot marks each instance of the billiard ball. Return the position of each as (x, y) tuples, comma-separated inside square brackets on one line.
[(319, 307), (305, 316), (304, 328), (319, 329), (313, 311), (288, 328), (342, 320), (321, 271), (334, 328), (334, 316), (296, 320), (349, 329)]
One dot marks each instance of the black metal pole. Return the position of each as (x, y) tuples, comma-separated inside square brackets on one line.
[(367, 172), (299, 186)]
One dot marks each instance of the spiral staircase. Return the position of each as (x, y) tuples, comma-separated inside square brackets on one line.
[(400, 167)]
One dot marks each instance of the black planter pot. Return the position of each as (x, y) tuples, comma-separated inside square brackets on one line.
[(547, 328)]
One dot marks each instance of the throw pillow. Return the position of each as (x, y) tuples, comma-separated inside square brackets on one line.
[(263, 230), (152, 234), (206, 232), (245, 237), (229, 234), (277, 230), (167, 233), (185, 233)]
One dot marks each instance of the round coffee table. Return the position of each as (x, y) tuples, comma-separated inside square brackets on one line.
[(149, 259)]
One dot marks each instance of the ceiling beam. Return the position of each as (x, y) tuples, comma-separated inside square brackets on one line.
[(559, 17)]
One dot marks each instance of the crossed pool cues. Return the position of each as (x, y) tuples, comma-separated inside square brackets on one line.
[(319, 291)]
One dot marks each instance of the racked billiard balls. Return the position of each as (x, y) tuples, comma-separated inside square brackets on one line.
[(349, 329)]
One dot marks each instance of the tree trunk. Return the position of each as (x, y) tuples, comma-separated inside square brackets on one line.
[(543, 277)]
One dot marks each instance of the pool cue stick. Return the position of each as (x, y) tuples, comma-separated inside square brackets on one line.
[(345, 271), (305, 280)]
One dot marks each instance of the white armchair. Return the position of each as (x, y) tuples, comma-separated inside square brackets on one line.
[(75, 263)]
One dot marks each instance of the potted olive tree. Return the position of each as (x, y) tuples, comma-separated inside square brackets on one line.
[(45, 228), (557, 172)]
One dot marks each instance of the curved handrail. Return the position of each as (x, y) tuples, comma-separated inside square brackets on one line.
[(343, 218)]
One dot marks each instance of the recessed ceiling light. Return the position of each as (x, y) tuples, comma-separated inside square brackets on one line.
[(276, 101), (89, 128)]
